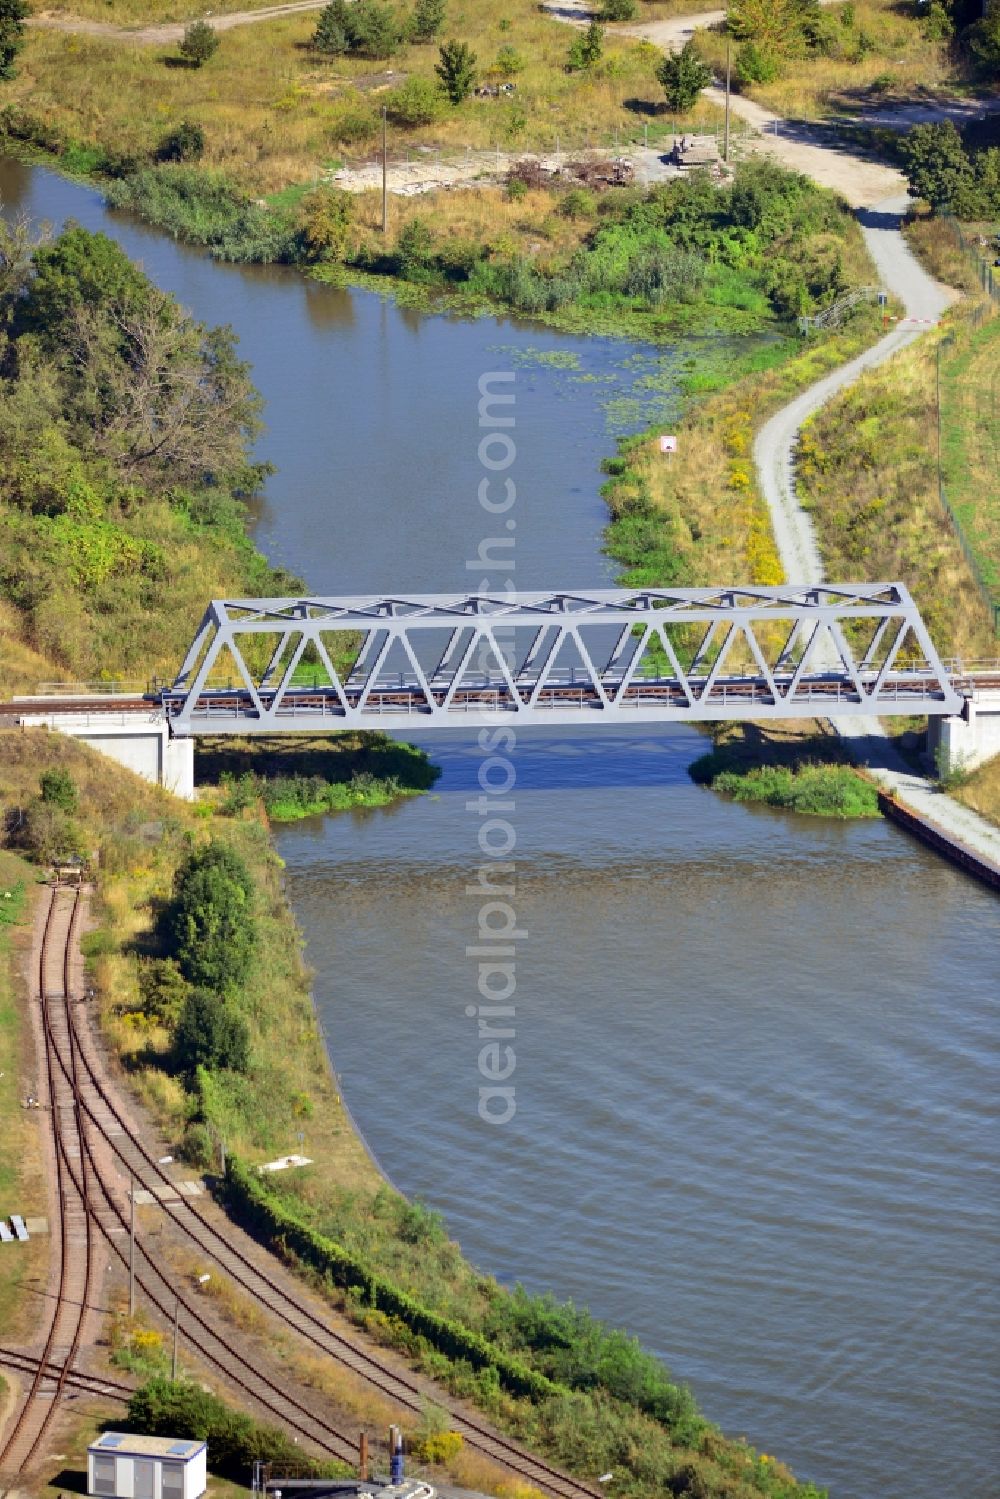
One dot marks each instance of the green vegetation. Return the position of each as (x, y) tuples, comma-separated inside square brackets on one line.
[(306, 779), (587, 48), (970, 445), (13, 14), (456, 68), (12, 18), (199, 43), (817, 790), (684, 254), (980, 790), (45, 827), (125, 428), (235, 1440), (950, 175), (682, 76)]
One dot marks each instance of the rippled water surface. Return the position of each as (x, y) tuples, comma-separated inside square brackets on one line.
[(756, 1055)]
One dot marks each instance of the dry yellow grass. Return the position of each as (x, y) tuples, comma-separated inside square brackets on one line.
[(275, 115), (982, 791), (904, 62), (868, 473)]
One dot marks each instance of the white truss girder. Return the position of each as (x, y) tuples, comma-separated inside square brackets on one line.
[(593, 656)]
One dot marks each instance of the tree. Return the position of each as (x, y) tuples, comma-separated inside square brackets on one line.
[(427, 20), (12, 18), (199, 43), (586, 48), (59, 790), (332, 34), (210, 1033), (375, 30), (937, 167), (981, 40), (682, 76), (79, 271), (456, 69), (209, 924)]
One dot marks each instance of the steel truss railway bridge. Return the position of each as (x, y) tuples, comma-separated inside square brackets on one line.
[(302, 665), (409, 662)]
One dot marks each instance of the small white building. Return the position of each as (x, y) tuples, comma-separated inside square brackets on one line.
[(125, 1465)]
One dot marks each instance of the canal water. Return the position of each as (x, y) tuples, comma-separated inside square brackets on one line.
[(755, 1054)]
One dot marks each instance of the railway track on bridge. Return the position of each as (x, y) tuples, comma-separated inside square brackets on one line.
[(72, 1058)]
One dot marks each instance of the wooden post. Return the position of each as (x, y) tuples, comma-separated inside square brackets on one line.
[(385, 191), (363, 1457), (725, 149), (173, 1361)]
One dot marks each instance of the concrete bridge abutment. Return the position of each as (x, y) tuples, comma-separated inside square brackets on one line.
[(969, 739), (140, 741)]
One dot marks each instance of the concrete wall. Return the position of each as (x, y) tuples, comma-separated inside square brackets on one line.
[(139, 741), (970, 740)]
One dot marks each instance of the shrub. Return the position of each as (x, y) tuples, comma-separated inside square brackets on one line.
[(163, 989), (186, 143), (235, 1440), (414, 249), (48, 834), (578, 203), (427, 20), (456, 68), (682, 76), (326, 217), (59, 790), (210, 1034), (199, 43), (508, 61), (617, 10), (586, 48), (354, 125), (756, 64), (417, 101)]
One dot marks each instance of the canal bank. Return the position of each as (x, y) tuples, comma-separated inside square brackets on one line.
[(725, 1176)]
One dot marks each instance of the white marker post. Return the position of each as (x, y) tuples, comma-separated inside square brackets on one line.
[(668, 444)]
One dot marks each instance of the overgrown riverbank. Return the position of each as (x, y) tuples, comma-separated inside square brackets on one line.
[(203, 996)]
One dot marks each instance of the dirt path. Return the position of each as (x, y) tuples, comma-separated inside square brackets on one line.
[(152, 36)]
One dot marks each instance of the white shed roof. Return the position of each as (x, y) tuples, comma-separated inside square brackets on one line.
[(137, 1444)]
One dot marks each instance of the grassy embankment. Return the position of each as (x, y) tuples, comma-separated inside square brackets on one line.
[(579, 1392), (22, 1190)]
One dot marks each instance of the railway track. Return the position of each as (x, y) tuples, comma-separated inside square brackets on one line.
[(77, 1062), (77, 1271), (77, 1379)]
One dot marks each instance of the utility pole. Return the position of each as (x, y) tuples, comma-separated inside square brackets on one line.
[(131, 1248), (729, 80), (385, 190)]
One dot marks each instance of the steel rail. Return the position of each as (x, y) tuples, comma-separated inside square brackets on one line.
[(92, 1384), (335, 1443), (62, 1300)]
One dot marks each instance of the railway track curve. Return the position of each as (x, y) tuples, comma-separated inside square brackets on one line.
[(77, 1061)]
